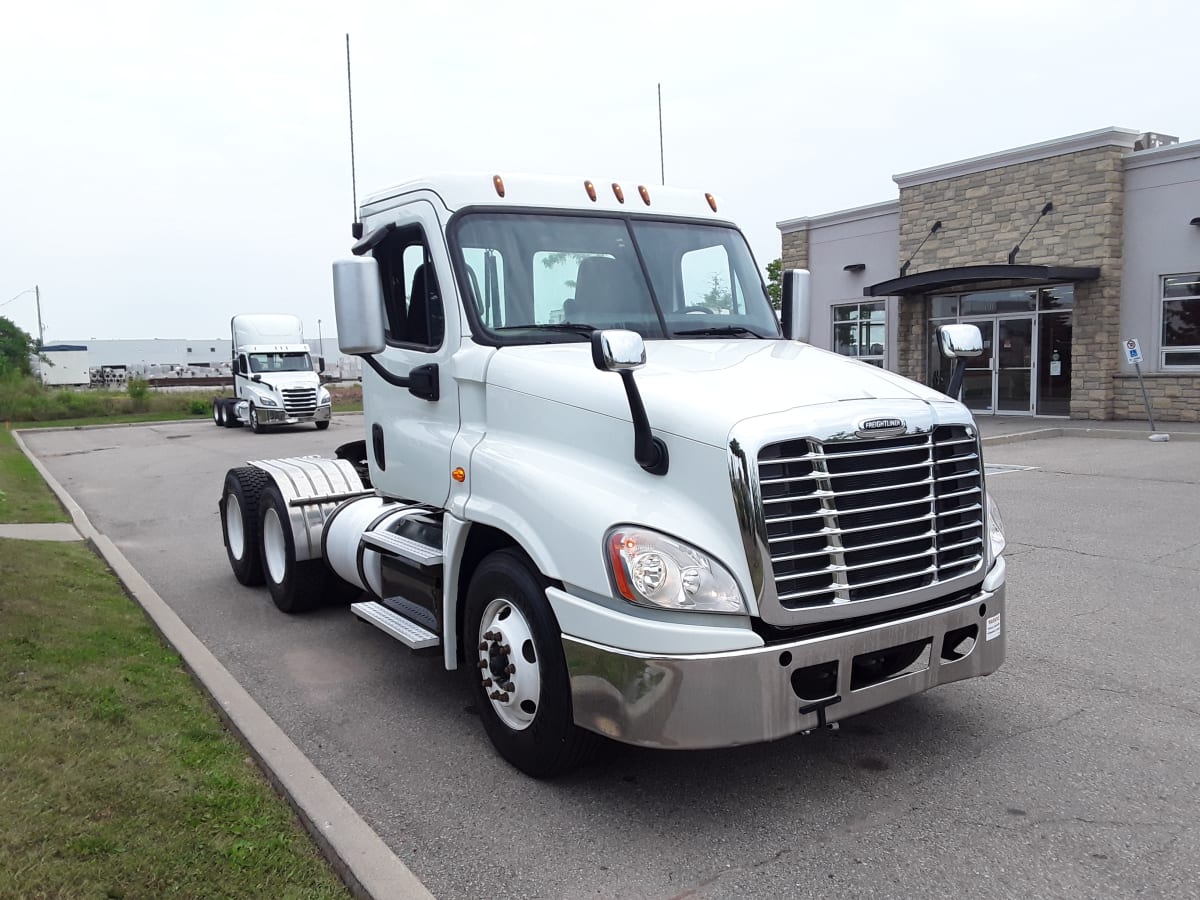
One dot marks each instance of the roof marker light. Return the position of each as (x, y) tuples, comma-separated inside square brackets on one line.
[(618, 193), (645, 194), (712, 201), (591, 190), (499, 183)]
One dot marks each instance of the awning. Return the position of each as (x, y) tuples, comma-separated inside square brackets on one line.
[(974, 276)]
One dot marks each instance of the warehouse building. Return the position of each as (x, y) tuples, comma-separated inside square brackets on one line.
[(1059, 251)]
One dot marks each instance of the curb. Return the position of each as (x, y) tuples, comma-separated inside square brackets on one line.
[(361, 859), (1122, 433)]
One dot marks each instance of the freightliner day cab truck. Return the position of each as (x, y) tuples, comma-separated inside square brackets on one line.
[(274, 382), (602, 477)]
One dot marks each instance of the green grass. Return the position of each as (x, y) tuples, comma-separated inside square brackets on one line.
[(118, 779), (24, 497)]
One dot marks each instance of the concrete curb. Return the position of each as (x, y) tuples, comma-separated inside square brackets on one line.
[(1061, 431), (360, 857)]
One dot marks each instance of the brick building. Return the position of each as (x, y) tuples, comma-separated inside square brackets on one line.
[(1058, 251)]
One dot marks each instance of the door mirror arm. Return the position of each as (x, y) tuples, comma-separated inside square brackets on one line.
[(622, 352)]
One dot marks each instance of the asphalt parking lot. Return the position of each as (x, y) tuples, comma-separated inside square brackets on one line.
[(1072, 772)]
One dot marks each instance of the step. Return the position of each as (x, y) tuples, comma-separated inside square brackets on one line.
[(403, 548), (404, 630)]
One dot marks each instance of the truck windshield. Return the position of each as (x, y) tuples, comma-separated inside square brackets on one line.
[(537, 278), (280, 362)]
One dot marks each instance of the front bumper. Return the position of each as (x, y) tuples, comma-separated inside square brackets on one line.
[(746, 696), (271, 415)]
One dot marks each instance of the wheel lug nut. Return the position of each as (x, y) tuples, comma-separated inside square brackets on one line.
[(487, 682), (511, 670), (504, 698), (504, 648), (483, 645), (510, 686), (483, 664)]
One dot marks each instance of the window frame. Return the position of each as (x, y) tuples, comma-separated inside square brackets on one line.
[(859, 322), (1164, 352), (394, 238)]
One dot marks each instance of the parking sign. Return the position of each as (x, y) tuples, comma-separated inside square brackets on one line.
[(1133, 353)]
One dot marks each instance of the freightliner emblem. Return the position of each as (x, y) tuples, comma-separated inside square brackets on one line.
[(879, 427)]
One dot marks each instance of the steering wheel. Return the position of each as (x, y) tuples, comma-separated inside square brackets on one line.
[(696, 310)]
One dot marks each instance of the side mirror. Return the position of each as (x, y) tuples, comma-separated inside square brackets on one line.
[(959, 340), (616, 350), (797, 304), (321, 365), (256, 377), (959, 343), (621, 351), (358, 305)]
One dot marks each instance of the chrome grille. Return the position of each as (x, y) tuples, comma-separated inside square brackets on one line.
[(300, 401), (859, 520)]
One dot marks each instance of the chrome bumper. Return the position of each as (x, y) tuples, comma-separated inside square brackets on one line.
[(270, 415), (747, 696)]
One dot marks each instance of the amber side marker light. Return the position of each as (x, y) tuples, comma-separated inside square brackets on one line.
[(645, 194), (712, 202), (460, 474), (591, 190), (618, 193), (499, 183)]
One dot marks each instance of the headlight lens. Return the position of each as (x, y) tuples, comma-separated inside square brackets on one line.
[(267, 401), (322, 397), (651, 569), (995, 528)]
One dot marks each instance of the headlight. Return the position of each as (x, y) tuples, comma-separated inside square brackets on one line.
[(995, 528), (267, 401), (651, 569), (322, 397)]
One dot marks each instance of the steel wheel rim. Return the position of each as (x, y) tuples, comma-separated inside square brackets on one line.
[(234, 527), (274, 546), (508, 665), (216, 414)]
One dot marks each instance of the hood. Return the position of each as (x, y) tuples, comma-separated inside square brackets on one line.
[(699, 389), (281, 380)]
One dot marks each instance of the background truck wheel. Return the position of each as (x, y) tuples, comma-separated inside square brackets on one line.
[(321, 426), (295, 586), (240, 501), (255, 425), (517, 669), (218, 412), (229, 414)]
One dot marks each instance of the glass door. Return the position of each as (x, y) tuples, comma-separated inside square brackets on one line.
[(1014, 357), (979, 388)]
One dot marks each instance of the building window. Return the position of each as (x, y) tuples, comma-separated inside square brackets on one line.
[(189, 349), (860, 330), (1181, 320)]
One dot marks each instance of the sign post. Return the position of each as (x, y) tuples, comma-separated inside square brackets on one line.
[(1133, 356)]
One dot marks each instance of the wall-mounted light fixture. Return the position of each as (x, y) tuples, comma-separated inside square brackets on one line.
[(854, 267), (1012, 254)]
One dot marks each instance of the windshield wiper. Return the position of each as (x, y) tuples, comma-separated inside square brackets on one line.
[(719, 329), (572, 327)]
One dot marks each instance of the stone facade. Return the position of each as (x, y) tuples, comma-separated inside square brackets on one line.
[(984, 214), (795, 249), (1173, 398)]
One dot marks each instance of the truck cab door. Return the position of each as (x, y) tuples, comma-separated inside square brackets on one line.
[(409, 437)]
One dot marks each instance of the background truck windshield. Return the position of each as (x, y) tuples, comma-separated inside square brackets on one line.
[(280, 362), (539, 277)]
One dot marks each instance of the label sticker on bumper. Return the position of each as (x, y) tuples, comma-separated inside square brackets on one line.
[(993, 627)]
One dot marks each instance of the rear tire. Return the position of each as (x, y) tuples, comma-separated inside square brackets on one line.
[(295, 587), (240, 502), (321, 426), (219, 412), (531, 722)]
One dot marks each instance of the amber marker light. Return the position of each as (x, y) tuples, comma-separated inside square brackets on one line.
[(591, 190), (618, 193), (616, 545), (499, 183), (460, 474), (712, 202), (645, 194)]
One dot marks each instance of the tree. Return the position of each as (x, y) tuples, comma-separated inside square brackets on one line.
[(718, 295), (774, 282), (16, 348)]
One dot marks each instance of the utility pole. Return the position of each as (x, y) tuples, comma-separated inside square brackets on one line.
[(662, 169), (37, 294)]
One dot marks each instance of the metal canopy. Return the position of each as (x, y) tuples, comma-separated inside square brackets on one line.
[(972, 276)]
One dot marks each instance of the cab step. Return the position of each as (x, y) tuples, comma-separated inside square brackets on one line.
[(403, 548), (403, 629)]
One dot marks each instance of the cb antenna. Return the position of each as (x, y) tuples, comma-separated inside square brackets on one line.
[(356, 228)]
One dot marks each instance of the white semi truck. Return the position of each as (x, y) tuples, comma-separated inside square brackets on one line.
[(600, 475), (274, 380)]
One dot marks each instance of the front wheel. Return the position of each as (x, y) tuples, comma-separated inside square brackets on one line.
[(322, 425), (518, 671), (295, 586), (255, 425)]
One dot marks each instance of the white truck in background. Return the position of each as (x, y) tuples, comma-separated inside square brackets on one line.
[(274, 380), (601, 476)]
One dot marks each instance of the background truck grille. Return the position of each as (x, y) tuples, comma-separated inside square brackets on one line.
[(300, 401), (859, 520)]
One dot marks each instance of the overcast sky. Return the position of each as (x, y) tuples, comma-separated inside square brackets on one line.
[(164, 165)]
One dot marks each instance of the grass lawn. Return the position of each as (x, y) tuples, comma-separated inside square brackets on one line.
[(24, 497), (118, 779)]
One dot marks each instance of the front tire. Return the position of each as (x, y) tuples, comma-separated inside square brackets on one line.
[(295, 586), (517, 668), (322, 425), (240, 502), (255, 426)]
